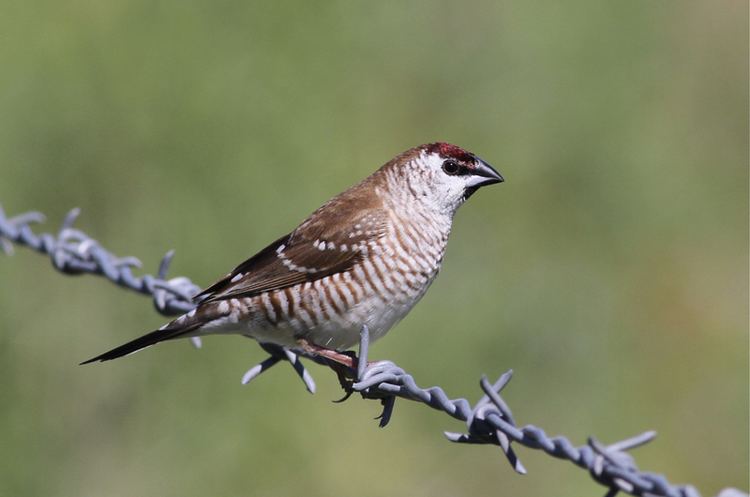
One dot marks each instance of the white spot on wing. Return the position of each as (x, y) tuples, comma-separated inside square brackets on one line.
[(291, 266)]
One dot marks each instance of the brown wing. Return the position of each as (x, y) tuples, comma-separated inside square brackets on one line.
[(331, 240)]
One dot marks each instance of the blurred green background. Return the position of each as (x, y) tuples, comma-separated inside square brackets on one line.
[(610, 270)]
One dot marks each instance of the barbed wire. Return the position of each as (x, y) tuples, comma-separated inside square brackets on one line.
[(489, 421)]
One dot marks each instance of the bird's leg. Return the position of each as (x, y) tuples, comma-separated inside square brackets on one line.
[(348, 367), (347, 359)]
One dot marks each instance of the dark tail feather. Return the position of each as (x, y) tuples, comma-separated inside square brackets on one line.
[(140, 343)]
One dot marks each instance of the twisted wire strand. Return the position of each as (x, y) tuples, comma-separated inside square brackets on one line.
[(73, 252), (489, 421)]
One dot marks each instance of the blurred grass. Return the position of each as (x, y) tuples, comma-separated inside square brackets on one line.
[(610, 271)]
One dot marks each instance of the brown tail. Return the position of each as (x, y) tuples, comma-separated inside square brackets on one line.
[(142, 342)]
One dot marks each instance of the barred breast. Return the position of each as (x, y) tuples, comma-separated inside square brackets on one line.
[(330, 312)]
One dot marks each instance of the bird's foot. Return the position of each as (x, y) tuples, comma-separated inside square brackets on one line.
[(345, 364)]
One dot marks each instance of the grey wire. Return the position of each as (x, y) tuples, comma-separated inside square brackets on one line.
[(489, 421), (74, 252)]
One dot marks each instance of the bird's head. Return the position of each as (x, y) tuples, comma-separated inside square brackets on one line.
[(445, 175)]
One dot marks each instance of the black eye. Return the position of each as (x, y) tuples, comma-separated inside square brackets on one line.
[(451, 167)]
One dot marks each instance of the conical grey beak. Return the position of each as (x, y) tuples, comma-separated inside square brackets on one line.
[(483, 174)]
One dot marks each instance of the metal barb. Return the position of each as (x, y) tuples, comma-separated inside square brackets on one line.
[(492, 392), (364, 346), (70, 218), (278, 354), (164, 264)]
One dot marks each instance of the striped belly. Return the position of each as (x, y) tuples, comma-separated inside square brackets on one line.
[(330, 312)]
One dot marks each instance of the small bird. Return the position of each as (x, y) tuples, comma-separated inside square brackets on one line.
[(364, 258)]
